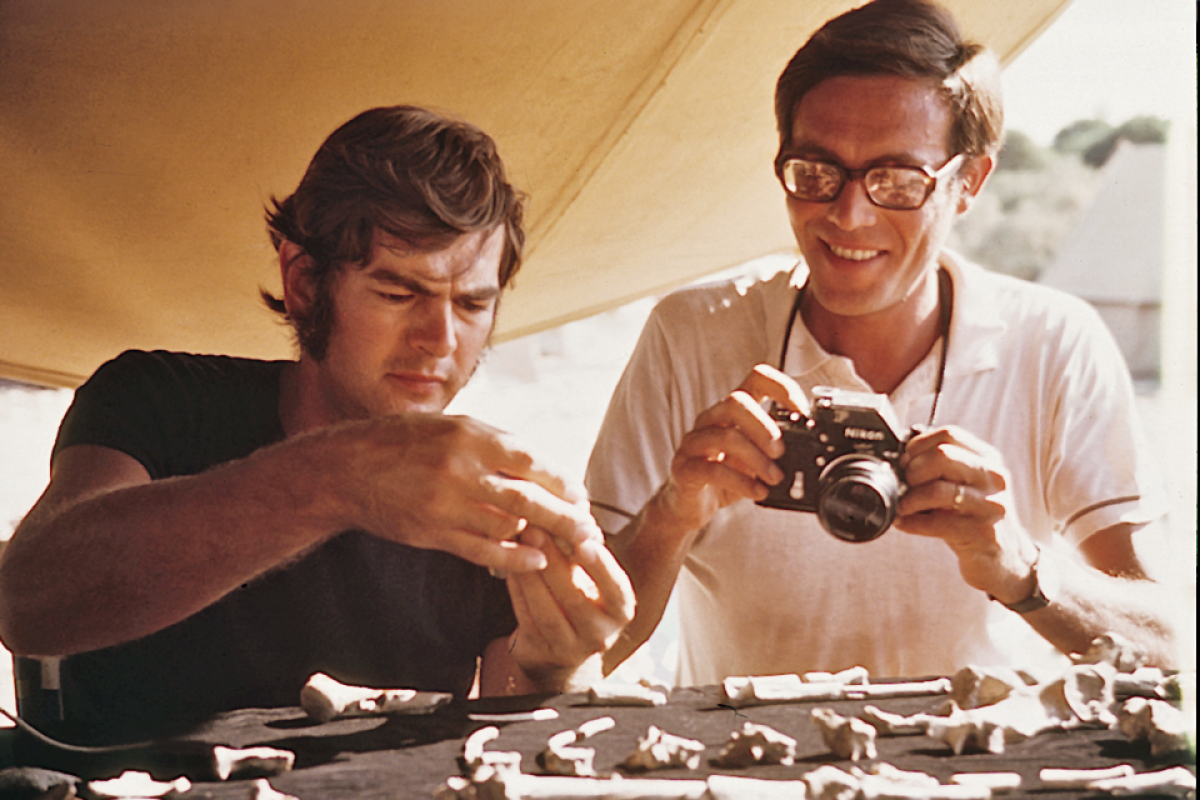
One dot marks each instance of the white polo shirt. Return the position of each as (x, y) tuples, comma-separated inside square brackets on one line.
[(1030, 370)]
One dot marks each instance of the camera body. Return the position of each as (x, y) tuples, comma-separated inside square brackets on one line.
[(842, 463)]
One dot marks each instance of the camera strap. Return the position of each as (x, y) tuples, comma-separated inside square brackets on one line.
[(945, 311)]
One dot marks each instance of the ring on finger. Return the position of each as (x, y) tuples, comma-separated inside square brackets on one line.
[(958, 496)]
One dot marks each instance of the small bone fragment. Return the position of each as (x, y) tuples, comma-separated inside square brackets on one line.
[(830, 783), (261, 789), (730, 787), (752, 690), (887, 724), (594, 726), (970, 735), (756, 745), (853, 675), (1080, 778), (1142, 682), (996, 781), (562, 757), (324, 698), (908, 689), (1165, 727), (895, 774), (660, 750), (478, 761), (1114, 649), (132, 783), (1082, 696), (613, 694), (1176, 781), (973, 687), (846, 737), (474, 745), (537, 715), (250, 762), (873, 788), (554, 787)]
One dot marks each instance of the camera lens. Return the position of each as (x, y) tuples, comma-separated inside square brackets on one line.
[(858, 496)]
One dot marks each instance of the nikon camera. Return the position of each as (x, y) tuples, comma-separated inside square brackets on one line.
[(841, 463)]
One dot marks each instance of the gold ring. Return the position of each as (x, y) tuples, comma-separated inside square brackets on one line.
[(958, 495)]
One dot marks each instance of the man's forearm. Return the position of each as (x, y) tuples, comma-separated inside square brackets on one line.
[(108, 566), (651, 550)]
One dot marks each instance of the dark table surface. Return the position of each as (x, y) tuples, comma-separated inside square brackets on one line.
[(410, 756)]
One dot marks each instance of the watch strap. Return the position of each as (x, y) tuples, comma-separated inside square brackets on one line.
[(1041, 583)]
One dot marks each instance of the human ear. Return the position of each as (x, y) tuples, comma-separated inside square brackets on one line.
[(295, 269), (973, 175)]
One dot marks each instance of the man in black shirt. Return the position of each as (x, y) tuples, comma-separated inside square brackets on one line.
[(217, 529)]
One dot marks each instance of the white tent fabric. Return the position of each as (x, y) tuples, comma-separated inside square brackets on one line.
[(139, 140)]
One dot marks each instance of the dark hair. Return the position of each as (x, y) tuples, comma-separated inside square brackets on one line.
[(402, 170), (909, 38)]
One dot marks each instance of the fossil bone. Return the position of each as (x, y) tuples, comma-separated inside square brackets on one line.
[(1080, 778), (730, 787), (563, 757), (846, 737), (1165, 727), (996, 781), (132, 783), (659, 750), (554, 787), (633, 694), (1176, 781), (973, 687), (853, 675), (1121, 653), (476, 758), (324, 699), (250, 762), (756, 745), (261, 789)]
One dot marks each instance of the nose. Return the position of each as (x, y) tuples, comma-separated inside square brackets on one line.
[(433, 329), (852, 208)]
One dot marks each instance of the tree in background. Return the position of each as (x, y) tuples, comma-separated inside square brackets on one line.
[(1037, 193)]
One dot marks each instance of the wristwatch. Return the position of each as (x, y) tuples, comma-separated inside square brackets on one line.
[(1045, 587)]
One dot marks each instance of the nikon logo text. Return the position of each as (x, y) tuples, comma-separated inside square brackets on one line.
[(863, 433)]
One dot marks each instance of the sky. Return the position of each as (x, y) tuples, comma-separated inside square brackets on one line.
[(1108, 60)]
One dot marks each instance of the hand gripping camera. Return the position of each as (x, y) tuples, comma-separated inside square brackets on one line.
[(842, 463)]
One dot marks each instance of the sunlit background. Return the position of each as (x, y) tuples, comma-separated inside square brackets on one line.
[(1108, 61)]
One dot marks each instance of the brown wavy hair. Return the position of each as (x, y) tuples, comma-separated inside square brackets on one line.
[(412, 173), (913, 39)]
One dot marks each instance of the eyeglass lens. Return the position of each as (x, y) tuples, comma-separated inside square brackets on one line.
[(890, 187)]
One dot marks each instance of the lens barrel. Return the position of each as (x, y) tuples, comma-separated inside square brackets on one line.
[(858, 497)]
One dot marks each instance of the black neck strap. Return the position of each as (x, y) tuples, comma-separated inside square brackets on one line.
[(945, 311)]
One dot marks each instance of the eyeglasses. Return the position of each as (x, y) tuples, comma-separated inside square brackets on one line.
[(897, 188)]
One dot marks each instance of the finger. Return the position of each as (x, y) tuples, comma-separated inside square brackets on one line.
[(731, 448), (955, 464), (740, 412), (694, 474), (543, 612), (523, 499), (768, 383), (506, 556), (592, 616), (611, 581)]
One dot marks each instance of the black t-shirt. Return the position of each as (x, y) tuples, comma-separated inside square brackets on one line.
[(362, 609)]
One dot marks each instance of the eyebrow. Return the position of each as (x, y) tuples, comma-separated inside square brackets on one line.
[(812, 151), (387, 276)]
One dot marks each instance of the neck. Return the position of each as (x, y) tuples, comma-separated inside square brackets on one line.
[(886, 345), (298, 406)]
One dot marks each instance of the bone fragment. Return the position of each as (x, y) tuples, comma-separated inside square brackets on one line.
[(261, 789), (996, 781), (1142, 682), (756, 745), (1082, 696), (1158, 722), (1176, 782), (537, 715), (907, 689), (973, 687), (887, 724), (730, 787), (1114, 649), (853, 675), (873, 788), (138, 784), (554, 787), (752, 690), (324, 698), (661, 750), (889, 772), (477, 760), (846, 737), (1080, 778), (830, 783), (568, 760), (633, 694), (250, 762)]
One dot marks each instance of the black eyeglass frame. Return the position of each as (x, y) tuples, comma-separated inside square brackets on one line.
[(929, 174)]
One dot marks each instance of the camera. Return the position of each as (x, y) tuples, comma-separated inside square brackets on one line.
[(842, 463)]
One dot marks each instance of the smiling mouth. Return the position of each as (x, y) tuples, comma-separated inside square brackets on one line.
[(853, 255)]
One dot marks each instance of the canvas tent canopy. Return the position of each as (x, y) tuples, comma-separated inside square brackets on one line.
[(139, 140)]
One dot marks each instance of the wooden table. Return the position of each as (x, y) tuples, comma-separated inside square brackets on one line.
[(409, 757)]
